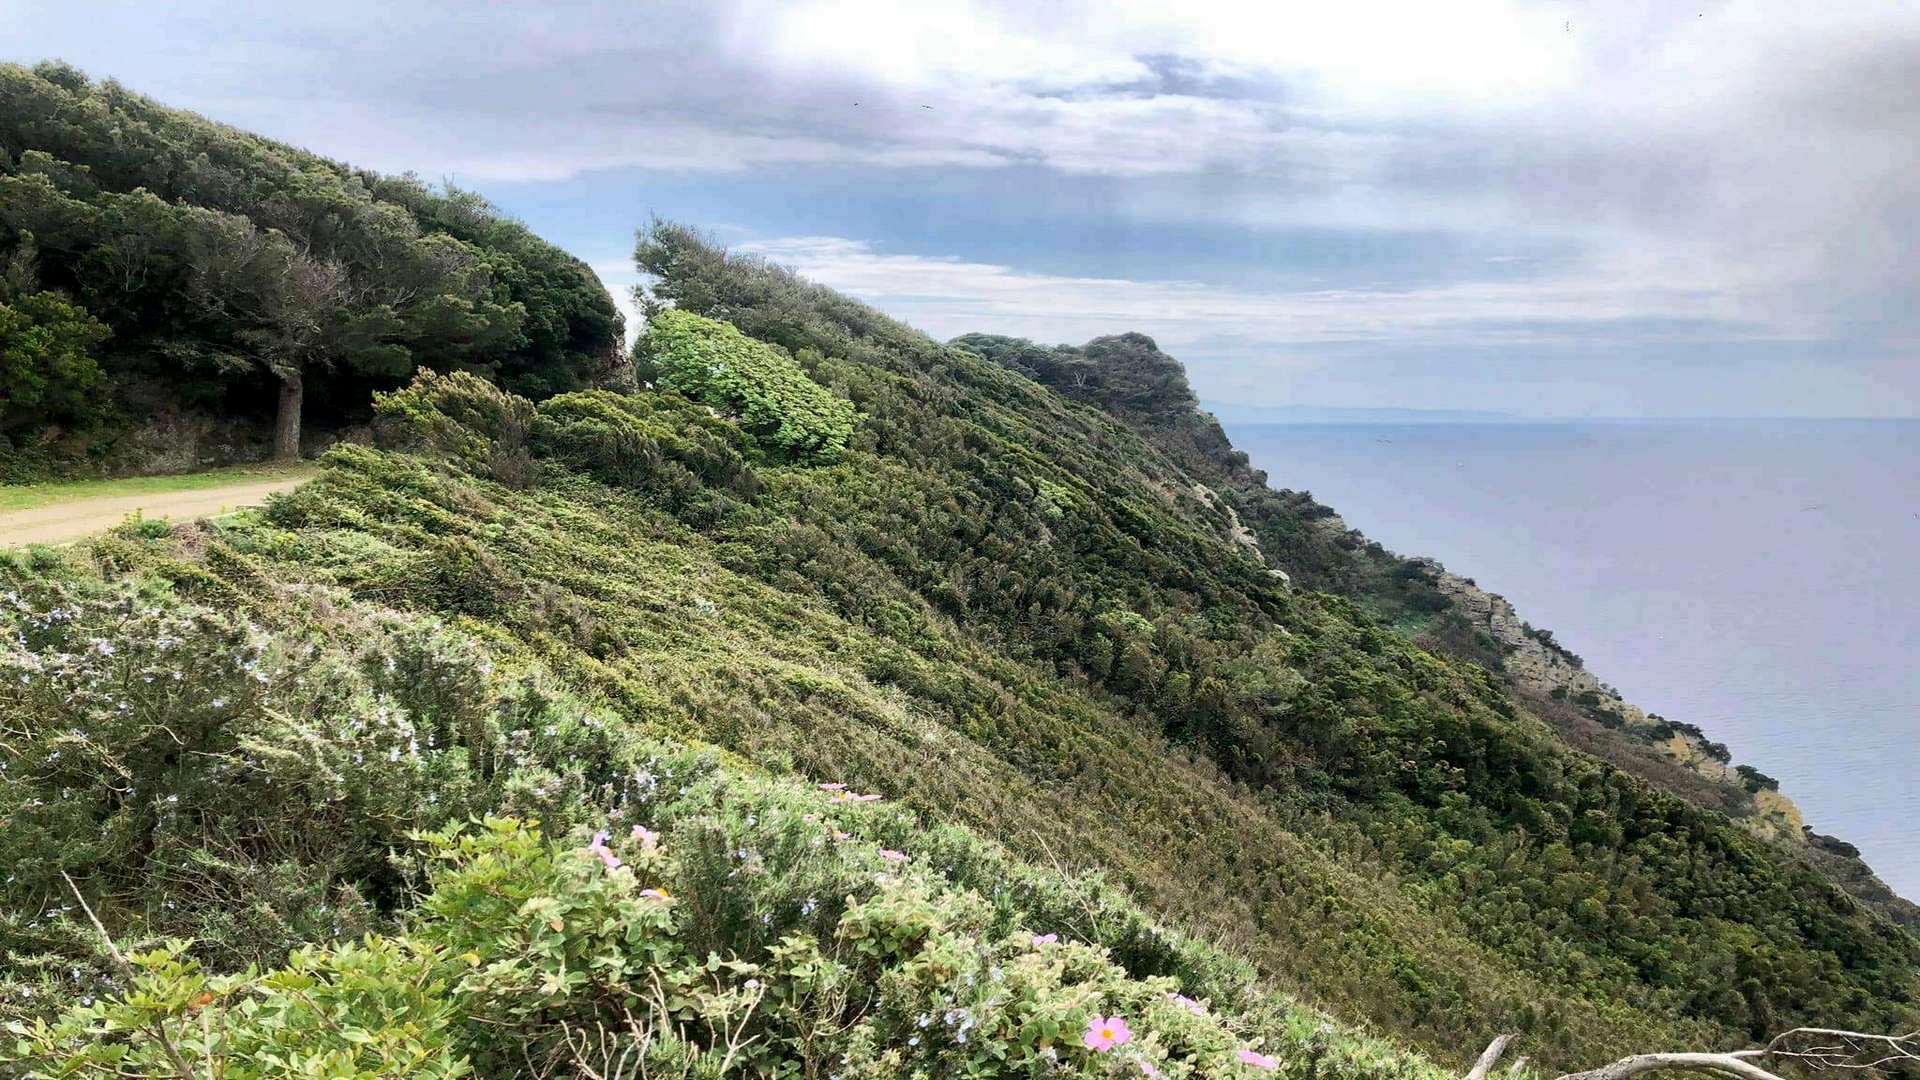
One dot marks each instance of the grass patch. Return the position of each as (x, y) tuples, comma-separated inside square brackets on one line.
[(33, 496)]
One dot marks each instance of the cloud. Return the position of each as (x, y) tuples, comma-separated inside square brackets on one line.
[(947, 296), (1615, 341), (1751, 169)]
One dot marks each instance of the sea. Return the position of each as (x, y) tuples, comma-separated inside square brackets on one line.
[(1759, 578)]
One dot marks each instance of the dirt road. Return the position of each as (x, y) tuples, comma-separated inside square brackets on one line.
[(68, 521)]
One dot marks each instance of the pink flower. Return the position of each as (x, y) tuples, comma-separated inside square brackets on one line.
[(1188, 1004), (608, 858), (833, 787), (1258, 1061), (1044, 939), (1147, 1067), (645, 836), (867, 798), (893, 856), (1106, 1032), (657, 894), (599, 850), (838, 835)]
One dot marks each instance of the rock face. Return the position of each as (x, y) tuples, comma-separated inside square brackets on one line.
[(1236, 531), (1535, 663), (1530, 661)]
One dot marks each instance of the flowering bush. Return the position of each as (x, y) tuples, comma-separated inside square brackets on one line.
[(242, 787), (527, 951)]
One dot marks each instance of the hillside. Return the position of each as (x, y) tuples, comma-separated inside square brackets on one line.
[(1129, 378), (175, 292), (1121, 757)]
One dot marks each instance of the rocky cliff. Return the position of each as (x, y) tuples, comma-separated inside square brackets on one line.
[(1537, 664)]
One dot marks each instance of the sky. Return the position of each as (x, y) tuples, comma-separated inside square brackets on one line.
[(1623, 208)]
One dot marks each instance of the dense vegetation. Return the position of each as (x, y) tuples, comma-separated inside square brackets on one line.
[(240, 277), (768, 393), (1008, 609), (1127, 377)]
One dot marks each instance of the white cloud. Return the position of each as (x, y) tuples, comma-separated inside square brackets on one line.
[(947, 296), (1627, 331)]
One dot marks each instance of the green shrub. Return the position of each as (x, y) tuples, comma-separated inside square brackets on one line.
[(759, 384), (660, 444), (377, 1009), (48, 374), (465, 418)]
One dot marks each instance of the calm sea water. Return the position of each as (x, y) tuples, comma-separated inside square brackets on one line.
[(1758, 578)]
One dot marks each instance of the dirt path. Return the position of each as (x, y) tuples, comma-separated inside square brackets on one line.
[(68, 521)]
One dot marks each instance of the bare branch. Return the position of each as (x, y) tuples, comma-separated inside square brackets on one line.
[(126, 967), (1724, 1064), (1835, 1048), (1814, 1047), (1490, 1057)]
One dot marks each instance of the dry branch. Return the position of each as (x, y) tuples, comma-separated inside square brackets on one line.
[(1816, 1048)]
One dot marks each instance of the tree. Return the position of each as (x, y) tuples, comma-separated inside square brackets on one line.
[(299, 309), (304, 294)]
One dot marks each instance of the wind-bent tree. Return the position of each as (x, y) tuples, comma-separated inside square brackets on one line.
[(233, 270), (306, 293), (295, 309)]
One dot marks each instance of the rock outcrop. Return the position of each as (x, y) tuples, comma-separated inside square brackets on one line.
[(1535, 663)]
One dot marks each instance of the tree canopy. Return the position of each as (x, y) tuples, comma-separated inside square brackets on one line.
[(230, 267)]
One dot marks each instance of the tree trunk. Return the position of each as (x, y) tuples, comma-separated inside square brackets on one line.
[(286, 427)]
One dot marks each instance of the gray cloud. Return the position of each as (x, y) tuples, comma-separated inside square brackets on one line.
[(1753, 169)]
